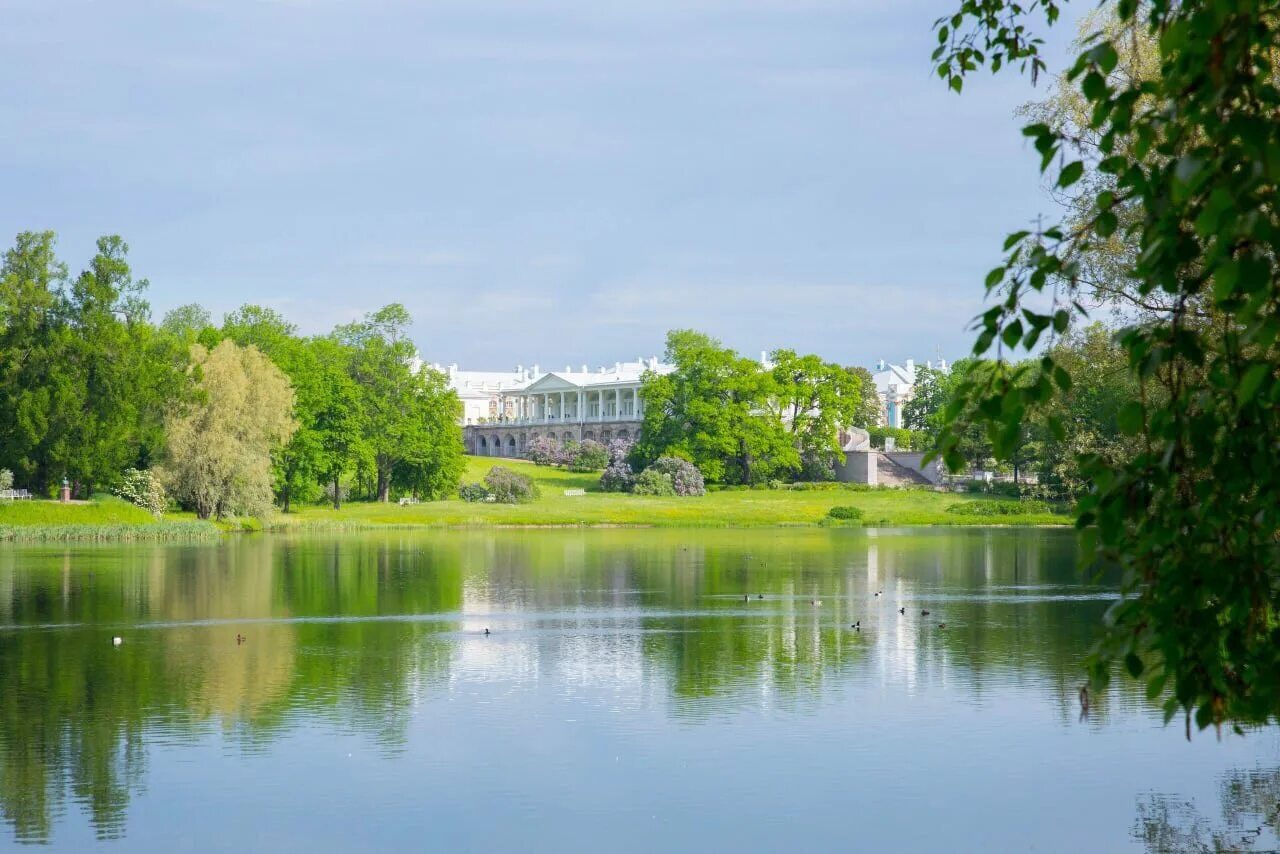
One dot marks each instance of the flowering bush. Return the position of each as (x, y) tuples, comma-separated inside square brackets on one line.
[(510, 487), (685, 477), (472, 492), (618, 477), (143, 489), (588, 456), (651, 481), (6, 479), (543, 451)]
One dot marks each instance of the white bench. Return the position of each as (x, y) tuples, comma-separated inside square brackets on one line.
[(575, 492), (15, 494)]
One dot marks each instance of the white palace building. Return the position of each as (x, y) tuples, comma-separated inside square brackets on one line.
[(503, 411)]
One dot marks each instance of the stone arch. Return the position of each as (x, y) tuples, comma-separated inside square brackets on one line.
[(623, 434), (606, 435), (509, 445), (588, 435), (481, 446)]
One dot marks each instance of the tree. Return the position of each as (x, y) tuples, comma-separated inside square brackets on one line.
[(714, 409), (929, 396), (815, 399), (410, 414), (867, 413), (186, 322), (1182, 168), (220, 446)]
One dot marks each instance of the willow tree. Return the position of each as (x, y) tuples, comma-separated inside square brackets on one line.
[(1181, 164), (220, 445)]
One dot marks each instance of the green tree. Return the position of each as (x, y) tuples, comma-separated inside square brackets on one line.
[(1182, 167), (815, 399), (410, 414), (187, 322), (715, 410), (867, 413), (220, 445)]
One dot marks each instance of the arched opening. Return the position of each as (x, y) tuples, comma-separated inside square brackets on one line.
[(481, 449), (511, 446)]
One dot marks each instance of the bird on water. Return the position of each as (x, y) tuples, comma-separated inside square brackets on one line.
[(924, 613), (486, 632), (902, 610), (116, 641), (856, 626)]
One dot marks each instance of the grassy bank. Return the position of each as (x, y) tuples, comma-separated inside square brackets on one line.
[(108, 519), (116, 520), (728, 508)]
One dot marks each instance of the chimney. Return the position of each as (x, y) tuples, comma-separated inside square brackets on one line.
[(929, 364), (584, 369), (942, 364), (533, 372), (764, 357), (880, 365), (519, 372), (617, 367), (602, 369), (568, 370), (911, 365), (453, 370)]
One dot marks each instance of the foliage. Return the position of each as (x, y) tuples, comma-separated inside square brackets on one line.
[(866, 412), (410, 414), (473, 492), (6, 479), (815, 399), (845, 512), (685, 477), (144, 489), (220, 446), (998, 508), (589, 455), (1180, 166), (618, 477), (84, 377), (653, 481), (544, 451), (714, 409), (903, 439), (510, 487)]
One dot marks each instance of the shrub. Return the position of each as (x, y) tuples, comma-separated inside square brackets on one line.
[(143, 489), (510, 487), (997, 508), (589, 456), (618, 477), (543, 451), (472, 492), (845, 512), (651, 481), (685, 477), (6, 479)]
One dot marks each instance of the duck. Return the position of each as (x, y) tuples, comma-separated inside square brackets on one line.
[(759, 595), (879, 593), (924, 613), (746, 598), (856, 626), (815, 601), (240, 638), (486, 632), (942, 625), (116, 641), (902, 610)]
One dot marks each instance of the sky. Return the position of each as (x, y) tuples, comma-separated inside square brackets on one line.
[(537, 181)]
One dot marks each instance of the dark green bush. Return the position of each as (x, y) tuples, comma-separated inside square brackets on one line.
[(472, 492), (998, 508), (845, 512)]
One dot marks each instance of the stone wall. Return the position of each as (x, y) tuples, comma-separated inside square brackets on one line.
[(512, 440)]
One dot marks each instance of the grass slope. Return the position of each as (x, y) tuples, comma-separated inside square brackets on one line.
[(736, 508), (103, 519)]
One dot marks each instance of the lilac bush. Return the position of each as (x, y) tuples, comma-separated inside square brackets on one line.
[(543, 451), (618, 477), (589, 456), (686, 479)]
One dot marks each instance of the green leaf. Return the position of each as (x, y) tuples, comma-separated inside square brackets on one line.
[(1133, 664), (1251, 382), (1071, 173), (1130, 418), (1012, 334)]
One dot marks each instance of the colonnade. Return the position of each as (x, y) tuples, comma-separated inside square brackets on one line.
[(581, 406)]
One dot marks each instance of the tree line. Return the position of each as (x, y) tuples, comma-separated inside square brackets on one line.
[(230, 417)]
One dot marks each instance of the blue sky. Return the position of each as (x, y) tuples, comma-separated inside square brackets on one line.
[(536, 180)]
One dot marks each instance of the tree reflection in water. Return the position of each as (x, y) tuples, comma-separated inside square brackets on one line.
[(1249, 818)]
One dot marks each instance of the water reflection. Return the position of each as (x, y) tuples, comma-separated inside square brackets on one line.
[(351, 634), (1248, 820)]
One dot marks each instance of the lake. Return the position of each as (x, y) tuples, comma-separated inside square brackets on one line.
[(331, 693)]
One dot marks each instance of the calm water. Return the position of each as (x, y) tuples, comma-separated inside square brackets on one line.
[(627, 698)]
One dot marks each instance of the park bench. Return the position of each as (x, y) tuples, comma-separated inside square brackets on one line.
[(15, 494)]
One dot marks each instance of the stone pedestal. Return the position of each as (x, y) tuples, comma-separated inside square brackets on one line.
[(66, 495)]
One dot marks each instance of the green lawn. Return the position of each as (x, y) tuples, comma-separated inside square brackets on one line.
[(103, 519), (730, 508)]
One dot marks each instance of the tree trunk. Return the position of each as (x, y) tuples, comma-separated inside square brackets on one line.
[(284, 499), (337, 493), (384, 482)]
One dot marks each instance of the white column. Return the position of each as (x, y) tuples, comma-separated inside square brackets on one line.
[(582, 406), (561, 406), (600, 405)]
